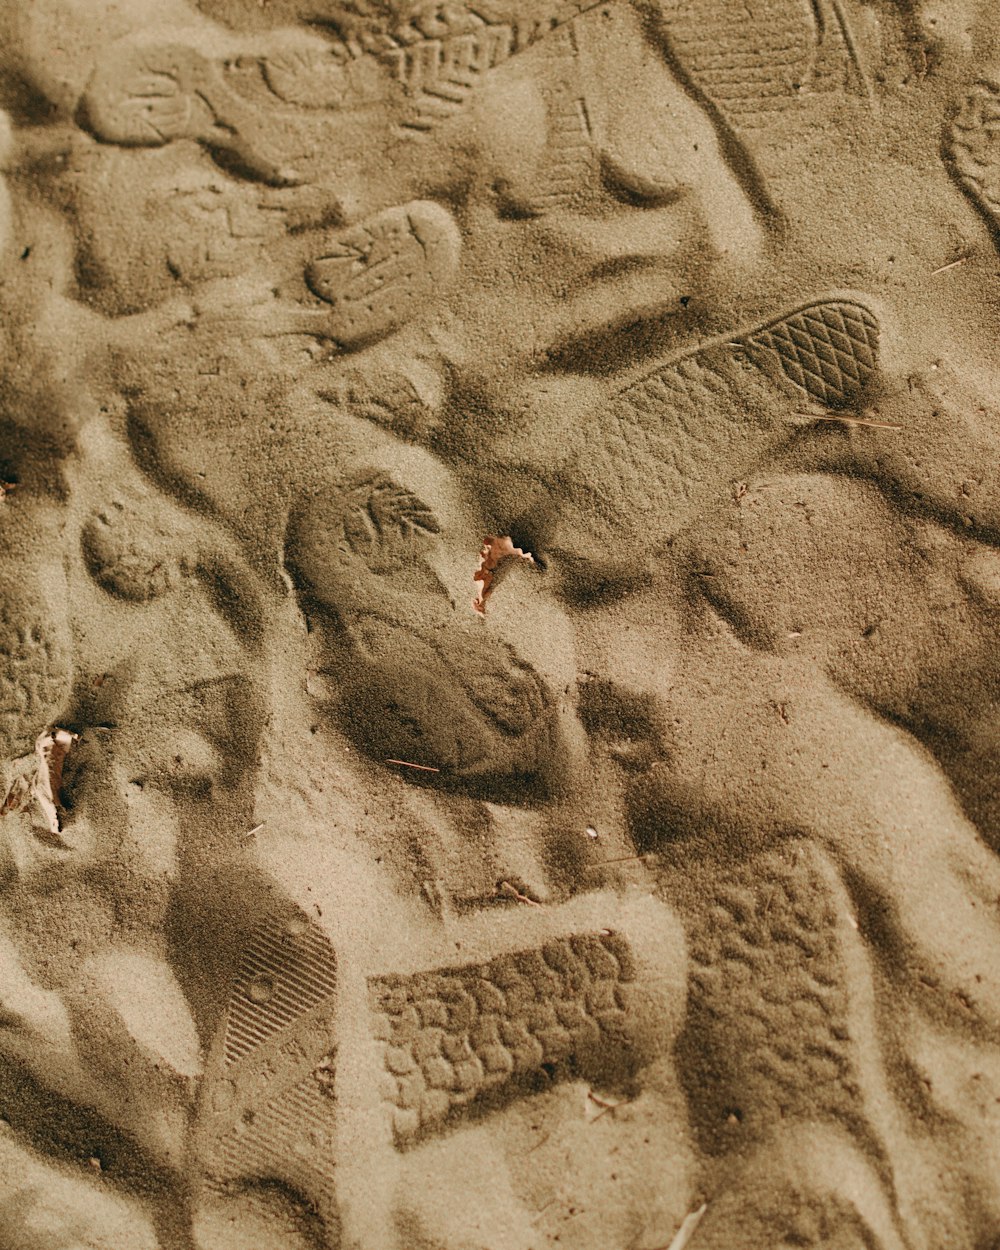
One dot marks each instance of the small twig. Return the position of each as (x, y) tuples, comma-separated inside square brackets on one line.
[(625, 859), (686, 1231), (832, 416), (508, 891), (604, 1104), (541, 1210), (601, 1114), (424, 768), (952, 265), (255, 829)]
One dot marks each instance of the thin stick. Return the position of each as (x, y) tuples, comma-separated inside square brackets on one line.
[(541, 1211), (952, 265), (852, 47), (601, 1114), (686, 1230), (605, 1105), (625, 859), (509, 891), (602, 1102), (424, 768), (829, 416)]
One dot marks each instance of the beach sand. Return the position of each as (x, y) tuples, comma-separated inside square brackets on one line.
[(499, 625)]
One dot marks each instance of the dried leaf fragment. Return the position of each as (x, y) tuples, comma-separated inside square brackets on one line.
[(494, 551), (17, 797), (38, 779)]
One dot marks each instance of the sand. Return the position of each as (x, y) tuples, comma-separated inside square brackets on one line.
[(499, 625)]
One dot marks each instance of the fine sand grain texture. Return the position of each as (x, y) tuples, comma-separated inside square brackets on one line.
[(499, 625)]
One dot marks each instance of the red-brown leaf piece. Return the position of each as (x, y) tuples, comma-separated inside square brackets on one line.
[(494, 551)]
